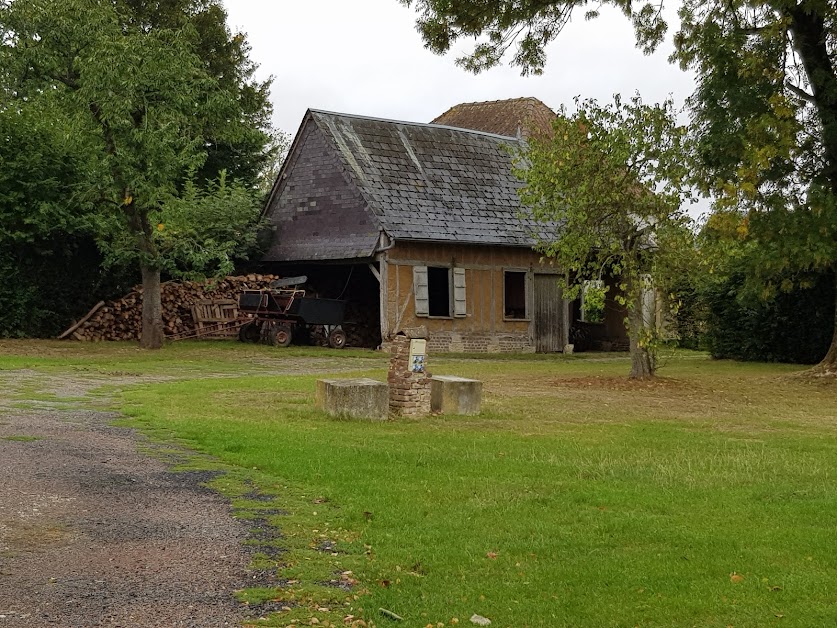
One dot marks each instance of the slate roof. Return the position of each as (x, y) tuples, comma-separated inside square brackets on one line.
[(430, 182), (517, 117)]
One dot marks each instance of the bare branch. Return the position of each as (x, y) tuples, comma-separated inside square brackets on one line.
[(800, 93)]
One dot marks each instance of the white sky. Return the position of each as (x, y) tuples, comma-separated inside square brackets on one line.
[(365, 57)]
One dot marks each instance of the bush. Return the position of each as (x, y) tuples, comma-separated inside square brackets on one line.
[(794, 326), (49, 284)]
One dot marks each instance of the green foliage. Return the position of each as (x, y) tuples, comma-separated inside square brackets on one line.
[(526, 25), (594, 302), (48, 258), (612, 179), (764, 112), (746, 309), (205, 230), (794, 326), (226, 58), (139, 99), (53, 281), (37, 165)]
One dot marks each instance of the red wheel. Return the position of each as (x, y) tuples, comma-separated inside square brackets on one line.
[(280, 335)]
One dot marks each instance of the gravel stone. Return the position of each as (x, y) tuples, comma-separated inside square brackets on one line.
[(94, 533)]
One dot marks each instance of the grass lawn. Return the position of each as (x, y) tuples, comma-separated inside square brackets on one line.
[(577, 498)]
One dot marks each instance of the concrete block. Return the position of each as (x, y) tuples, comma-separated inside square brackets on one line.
[(450, 394), (361, 398)]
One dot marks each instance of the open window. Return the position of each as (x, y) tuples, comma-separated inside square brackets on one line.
[(439, 291), (514, 295)]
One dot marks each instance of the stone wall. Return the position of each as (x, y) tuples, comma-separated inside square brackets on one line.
[(476, 342)]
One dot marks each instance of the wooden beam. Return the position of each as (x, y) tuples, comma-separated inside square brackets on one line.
[(82, 321), (383, 293), (375, 272)]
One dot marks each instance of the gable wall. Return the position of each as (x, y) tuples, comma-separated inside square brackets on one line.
[(484, 327), (317, 214)]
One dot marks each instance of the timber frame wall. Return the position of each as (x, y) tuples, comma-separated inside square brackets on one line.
[(482, 327)]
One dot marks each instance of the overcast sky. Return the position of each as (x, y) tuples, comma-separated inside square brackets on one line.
[(365, 57)]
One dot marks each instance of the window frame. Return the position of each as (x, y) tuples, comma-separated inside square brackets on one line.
[(457, 307), (527, 290)]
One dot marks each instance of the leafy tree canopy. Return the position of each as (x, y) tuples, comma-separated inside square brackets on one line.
[(613, 179), (226, 58), (764, 111), (134, 102)]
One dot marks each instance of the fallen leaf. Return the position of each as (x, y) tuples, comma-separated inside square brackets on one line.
[(735, 577), (492, 555)]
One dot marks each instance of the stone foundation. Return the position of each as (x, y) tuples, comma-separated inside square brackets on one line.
[(473, 342)]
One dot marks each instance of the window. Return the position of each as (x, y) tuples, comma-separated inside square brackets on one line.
[(514, 295), (438, 291), (437, 288)]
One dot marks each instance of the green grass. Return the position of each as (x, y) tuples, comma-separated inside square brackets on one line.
[(576, 498), (176, 359)]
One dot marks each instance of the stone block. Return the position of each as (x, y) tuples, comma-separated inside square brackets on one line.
[(361, 398), (450, 394)]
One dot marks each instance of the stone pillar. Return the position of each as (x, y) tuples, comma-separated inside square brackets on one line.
[(409, 382)]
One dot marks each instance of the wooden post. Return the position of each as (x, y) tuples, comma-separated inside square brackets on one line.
[(384, 294)]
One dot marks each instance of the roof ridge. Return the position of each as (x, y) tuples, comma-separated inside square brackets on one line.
[(408, 123), (530, 99)]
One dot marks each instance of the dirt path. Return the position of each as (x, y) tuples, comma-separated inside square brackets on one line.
[(93, 533)]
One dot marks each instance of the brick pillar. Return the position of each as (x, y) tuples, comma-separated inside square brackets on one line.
[(409, 391)]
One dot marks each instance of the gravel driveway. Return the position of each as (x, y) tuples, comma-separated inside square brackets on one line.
[(94, 533)]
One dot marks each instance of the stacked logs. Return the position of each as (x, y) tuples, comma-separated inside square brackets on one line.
[(122, 319)]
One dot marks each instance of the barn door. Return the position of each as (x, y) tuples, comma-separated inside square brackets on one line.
[(549, 314)]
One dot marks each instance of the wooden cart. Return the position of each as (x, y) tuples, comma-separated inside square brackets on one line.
[(284, 314)]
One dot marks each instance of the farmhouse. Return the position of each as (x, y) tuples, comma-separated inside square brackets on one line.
[(424, 215), (420, 224)]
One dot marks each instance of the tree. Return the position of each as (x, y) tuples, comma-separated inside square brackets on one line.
[(134, 103), (612, 178), (764, 112), (226, 58)]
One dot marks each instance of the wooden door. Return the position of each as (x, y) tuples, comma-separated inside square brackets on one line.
[(548, 314)]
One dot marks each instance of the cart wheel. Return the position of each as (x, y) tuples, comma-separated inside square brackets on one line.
[(280, 336), (337, 339), (249, 332)]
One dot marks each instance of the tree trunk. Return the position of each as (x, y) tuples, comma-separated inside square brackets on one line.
[(828, 365), (152, 313), (810, 32), (642, 360)]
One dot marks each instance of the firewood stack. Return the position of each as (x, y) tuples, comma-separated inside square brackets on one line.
[(122, 319)]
